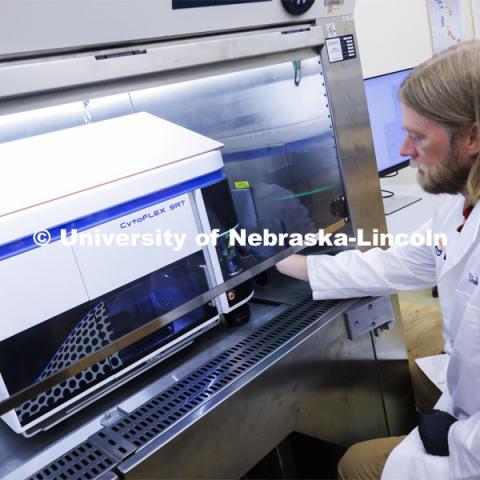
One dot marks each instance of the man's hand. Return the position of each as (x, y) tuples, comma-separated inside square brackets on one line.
[(433, 427), (294, 266)]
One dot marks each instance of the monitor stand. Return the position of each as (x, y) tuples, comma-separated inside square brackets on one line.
[(398, 202)]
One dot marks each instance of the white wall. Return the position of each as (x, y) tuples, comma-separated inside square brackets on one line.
[(476, 17), (392, 34)]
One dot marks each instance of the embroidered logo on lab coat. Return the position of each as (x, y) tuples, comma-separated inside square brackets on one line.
[(473, 279), (439, 249)]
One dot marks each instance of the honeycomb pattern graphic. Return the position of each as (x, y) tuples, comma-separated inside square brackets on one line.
[(88, 336)]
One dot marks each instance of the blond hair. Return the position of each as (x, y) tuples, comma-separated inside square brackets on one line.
[(446, 89)]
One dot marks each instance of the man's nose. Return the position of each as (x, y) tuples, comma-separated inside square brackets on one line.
[(407, 149)]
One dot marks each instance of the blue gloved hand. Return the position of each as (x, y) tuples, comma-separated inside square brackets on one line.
[(433, 427)]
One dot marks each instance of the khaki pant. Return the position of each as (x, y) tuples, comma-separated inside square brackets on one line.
[(365, 460)]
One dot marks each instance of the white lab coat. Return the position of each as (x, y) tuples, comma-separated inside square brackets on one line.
[(455, 268)]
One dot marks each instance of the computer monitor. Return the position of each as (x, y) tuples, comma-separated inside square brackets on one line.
[(385, 120)]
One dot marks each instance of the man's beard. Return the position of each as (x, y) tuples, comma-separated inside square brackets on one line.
[(449, 176)]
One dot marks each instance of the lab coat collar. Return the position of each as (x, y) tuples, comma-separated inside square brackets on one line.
[(466, 239)]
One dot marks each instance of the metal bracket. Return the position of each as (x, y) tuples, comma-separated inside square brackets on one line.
[(297, 68), (112, 416), (112, 443), (370, 314)]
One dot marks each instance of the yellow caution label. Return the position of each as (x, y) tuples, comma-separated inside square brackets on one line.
[(244, 184)]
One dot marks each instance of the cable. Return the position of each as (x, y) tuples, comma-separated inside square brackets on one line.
[(388, 193)]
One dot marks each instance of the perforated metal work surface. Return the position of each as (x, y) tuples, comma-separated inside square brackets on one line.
[(86, 461), (158, 414), (150, 420)]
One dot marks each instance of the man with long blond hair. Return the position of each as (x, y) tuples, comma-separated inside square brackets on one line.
[(440, 103)]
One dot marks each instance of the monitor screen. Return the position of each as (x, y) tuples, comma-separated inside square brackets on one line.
[(385, 119)]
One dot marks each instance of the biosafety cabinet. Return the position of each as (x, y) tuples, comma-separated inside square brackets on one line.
[(190, 117)]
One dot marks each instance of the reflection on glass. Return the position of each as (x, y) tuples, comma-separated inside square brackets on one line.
[(280, 152), (152, 296)]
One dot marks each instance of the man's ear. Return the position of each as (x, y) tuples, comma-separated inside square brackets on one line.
[(473, 139)]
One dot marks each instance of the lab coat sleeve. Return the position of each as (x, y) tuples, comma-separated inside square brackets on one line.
[(375, 272), (464, 446)]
